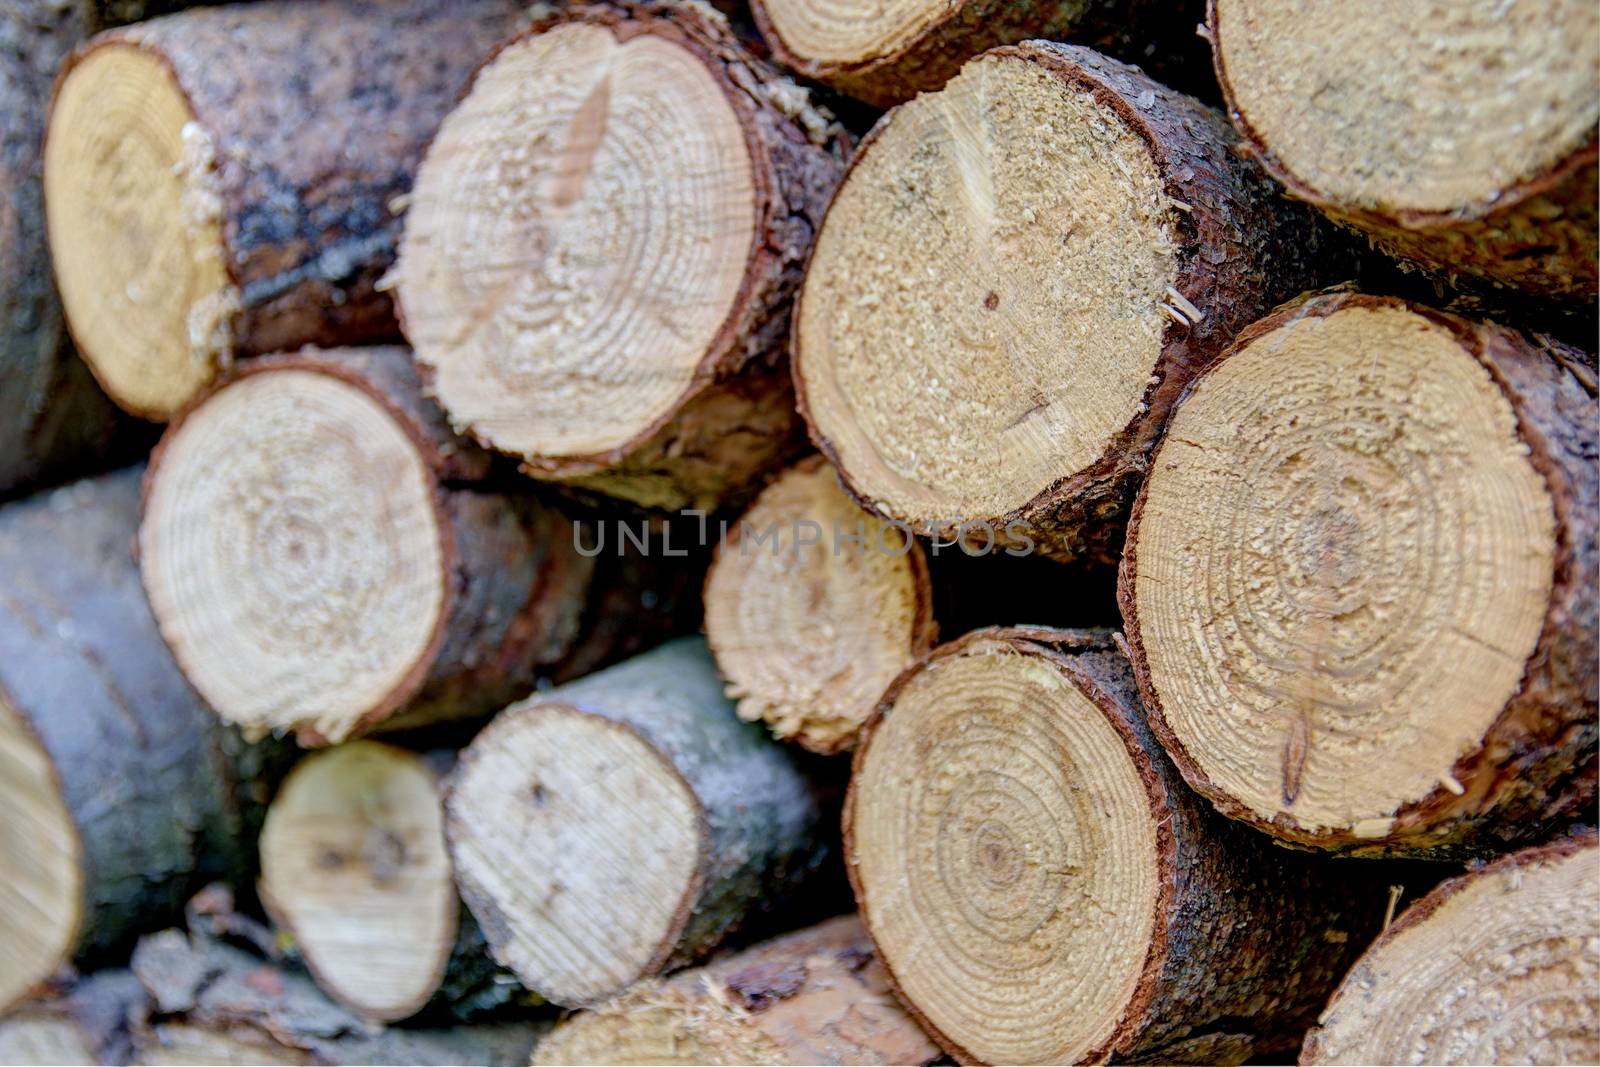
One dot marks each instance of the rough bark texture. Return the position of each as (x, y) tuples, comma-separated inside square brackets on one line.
[(160, 794), (1159, 36), (1535, 771), (1539, 236), (762, 824), (211, 1001), (86, 1021), (813, 997), (736, 422), (54, 420), (1248, 939), (314, 137), (523, 603), (1242, 250)]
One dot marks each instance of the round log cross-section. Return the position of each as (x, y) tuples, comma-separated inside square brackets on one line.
[(1042, 888), (602, 248), (1500, 965), (1404, 119), (1014, 282), (1360, 584)]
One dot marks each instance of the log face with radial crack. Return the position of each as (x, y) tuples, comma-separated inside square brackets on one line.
[(603, 246), (1392, 515), (1017, 277)]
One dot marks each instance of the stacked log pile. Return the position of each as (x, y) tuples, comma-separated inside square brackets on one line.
[(1150, 601)]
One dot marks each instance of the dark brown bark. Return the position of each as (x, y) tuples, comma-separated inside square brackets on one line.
[(523, 603), (54, 420), (160, 794), (315, 136), (1160, 37), (1538, 236), (212, 998), (1535, 770), (736, 423), (1248, 938), (1243, 249)]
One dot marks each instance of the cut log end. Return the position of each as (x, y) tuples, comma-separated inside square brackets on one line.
[(1497, 966), (809, 636), (817, 996), (40, 851), (295, 495), (540, 845), (1318, 87), (124, 156), (1019, 256), (1381, 536), (1466, 172), (354, 866), (1003, 840), (615, 154)]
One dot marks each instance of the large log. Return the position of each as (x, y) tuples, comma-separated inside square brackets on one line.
[(324, 556), (1360, 585), (1499, 965), (602, 249), (625, 823), (54, 419), (1042, 888), (1014, 283), (221, 183), (887, 53), (354, 869), (813, 997), (213, 1003), (121, 790), (813, 606), (1470, 170)]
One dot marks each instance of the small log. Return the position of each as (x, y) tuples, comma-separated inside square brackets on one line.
[(1360, 585), (121, 790), (602, 249), (354, 868), (213, 1003), (1496, 966), (886, 54), (1013, 285), (87, 1022), (221, 183), (54, 420), (813, 997), (1042, 888), (324, 556), (809, 634), (1466, 172), (625, 823)]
